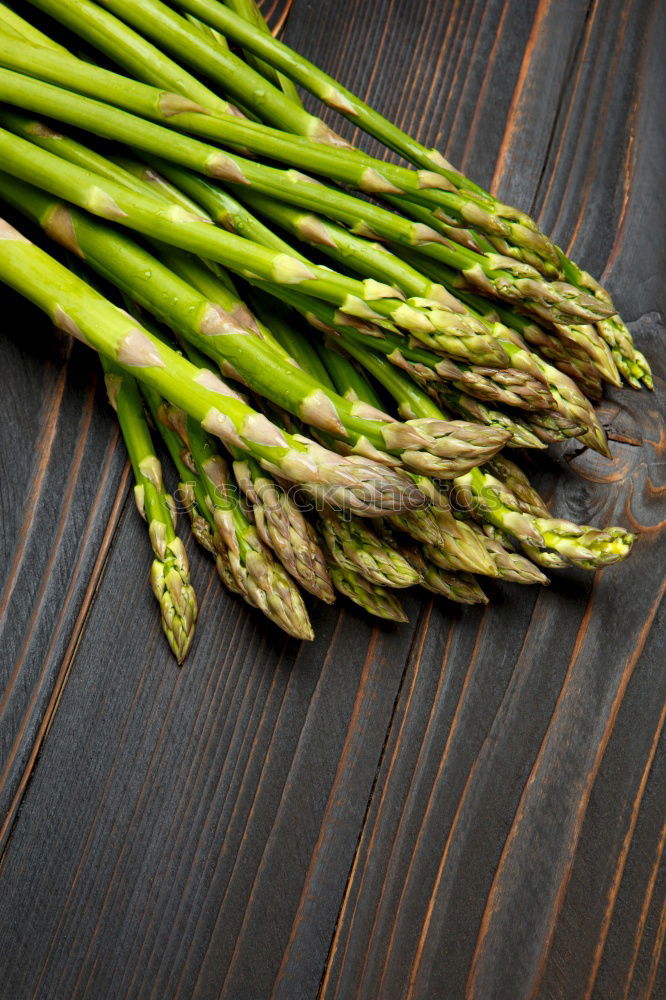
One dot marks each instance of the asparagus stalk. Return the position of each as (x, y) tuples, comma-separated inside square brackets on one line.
[(565, 355), (485, 213), (333, 322), (522, 386), (355, 483), (517, 482), (282, 527), (249, 10), (628, 359), (115, 39), (459, 587), (414, 404), (459, 547), (334, 95), (170, 224), (574, 416), (169, 573), (522, 435), (279, 522), (242, 557), (112, 123), (372, 597), (354, 546), (511, 566), (580, 545), (194, 110), (175, 33), (191, 494), (328, 90), (465, 547), (420, 525), (507, 386), (579, 337), (223, 332), (262, 580), (130, 50), (502, 276), (22, 32), (361, 255), (552, 427)]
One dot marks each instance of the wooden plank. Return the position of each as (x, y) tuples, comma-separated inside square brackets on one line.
[(61, 494), (404, 930), (417, 812), (237, 763)]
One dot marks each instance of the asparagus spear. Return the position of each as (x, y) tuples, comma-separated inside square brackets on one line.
[(112, 123), (523, 387), (502, 276), (552, 427), (176, 34), (243, 561), (573, 360), (191, 491), (349, 251), (511, 566), (325, 88), (249, 10), (160, 103), (151, 216), (261, 579), (355, 547), (372, 597), (331, 322), (355, 483), (517, 482), (418, 524), (338, 97), (282, 527), (22, 32), (121, 38), (556, 301), (629, 361), (522, 435), (183, 38), (579, 337), (573, 414), (423, 445), (459, 587), (279, 522), (130, 50), (169, 573), (580, 545), (459, 546), (506, 386)]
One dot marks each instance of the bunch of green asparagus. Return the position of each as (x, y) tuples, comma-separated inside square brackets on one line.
[(365, 340)]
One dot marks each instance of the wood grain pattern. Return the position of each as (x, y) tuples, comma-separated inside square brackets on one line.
[(471, 806)]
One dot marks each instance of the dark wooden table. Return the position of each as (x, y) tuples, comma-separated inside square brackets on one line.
[(468, 806)]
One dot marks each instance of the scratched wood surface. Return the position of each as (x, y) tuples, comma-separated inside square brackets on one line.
[(468, 806)]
